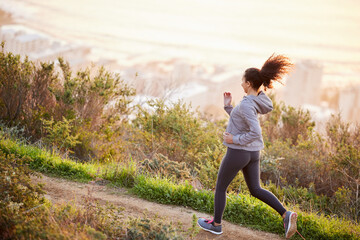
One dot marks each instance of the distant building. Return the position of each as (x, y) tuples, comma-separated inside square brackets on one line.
[(349, 104), (39, 47), (303, 86), (20, 41)]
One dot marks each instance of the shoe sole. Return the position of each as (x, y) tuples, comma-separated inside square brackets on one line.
[(217, 233), (292, 225)]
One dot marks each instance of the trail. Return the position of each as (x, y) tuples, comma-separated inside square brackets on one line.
[(62, 191)]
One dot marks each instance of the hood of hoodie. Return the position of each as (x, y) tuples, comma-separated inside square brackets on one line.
[(262, 103)]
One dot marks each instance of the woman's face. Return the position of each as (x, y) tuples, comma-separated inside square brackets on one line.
[(245, 85)]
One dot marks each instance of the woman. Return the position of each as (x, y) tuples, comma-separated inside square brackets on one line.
[(244, 141)]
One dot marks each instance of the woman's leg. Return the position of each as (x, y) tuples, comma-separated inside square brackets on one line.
[(252, 177), (231, 164)]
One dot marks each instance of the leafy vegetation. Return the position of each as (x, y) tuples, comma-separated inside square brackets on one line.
[(241, 208), (83, 114), (326, 167), (26, 214), (174, 131), (77, 126)]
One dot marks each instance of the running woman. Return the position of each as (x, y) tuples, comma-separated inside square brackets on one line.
[(244, 141)]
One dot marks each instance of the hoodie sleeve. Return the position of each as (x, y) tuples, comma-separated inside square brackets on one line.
[(250, 116), (228, 109)]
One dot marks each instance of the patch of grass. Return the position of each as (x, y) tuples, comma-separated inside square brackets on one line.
[(45, 162), (122, 175)]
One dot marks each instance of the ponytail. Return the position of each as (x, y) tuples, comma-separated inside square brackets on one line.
[(273, 70)]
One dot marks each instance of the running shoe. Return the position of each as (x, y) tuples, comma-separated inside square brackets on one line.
[(290, 224), (208, 225)]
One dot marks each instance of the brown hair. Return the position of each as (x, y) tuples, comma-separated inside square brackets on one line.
[(273, 70)]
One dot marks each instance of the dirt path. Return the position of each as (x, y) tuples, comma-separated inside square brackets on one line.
[(60, 190)]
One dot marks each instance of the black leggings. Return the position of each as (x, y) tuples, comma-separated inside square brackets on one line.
[(249, 162)]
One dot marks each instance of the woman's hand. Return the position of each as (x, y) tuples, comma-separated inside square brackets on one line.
[(227, 98), (228, 137)]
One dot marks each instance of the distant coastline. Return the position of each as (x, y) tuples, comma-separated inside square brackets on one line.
[(5, 18)]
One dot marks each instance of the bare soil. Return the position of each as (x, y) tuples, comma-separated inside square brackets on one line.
[(63, 191)]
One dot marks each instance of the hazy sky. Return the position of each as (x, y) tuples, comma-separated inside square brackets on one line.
[(231, 32)]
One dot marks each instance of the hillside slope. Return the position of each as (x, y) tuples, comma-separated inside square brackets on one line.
[(61, 190)]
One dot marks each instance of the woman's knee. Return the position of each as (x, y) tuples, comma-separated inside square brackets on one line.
[(257, 192)]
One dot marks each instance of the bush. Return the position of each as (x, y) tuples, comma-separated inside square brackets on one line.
[(98, 105), (344, 159), (91, 108), (24, 92), (60, 134), (298, 165), (174, 131), (17, 195), (326, 165), (286, 123)]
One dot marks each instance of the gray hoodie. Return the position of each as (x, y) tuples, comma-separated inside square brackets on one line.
[(244, 124)]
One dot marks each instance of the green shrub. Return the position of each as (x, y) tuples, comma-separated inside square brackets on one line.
[(300, 165), (286, 122), (327, 166), (344, 161), (98, 104), (60, 134), (15, 80), (90, 108), (17, 194), (24, 212), (173, 130), (24, 92)]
